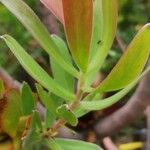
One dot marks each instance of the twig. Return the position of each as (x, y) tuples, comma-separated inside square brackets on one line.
[(72, 106), (121, 43), (108, 143), (148, 128), (9, 82)]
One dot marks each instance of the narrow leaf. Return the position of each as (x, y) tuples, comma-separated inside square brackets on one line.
[(131, 63), (46, 99), (101, 104), (33, 137), (36, 121), (49, 119), (78, 16), (97, 28), (55, 6), (68, 144), (35, 70), (67, 115), (31, 141), (108, 24), (52, 144), (33, 24), (27, 100), (60, 75)]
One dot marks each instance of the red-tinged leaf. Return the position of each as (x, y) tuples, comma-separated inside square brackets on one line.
[(78, 17), (10, 113), (55, 6)]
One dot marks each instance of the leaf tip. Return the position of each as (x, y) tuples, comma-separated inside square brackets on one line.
[(1, 37)]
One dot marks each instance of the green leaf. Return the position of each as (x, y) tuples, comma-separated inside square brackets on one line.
[(49, 119), (33, 24), (35, 70), (78, 16), (52, 144), (131, 63), (33, 137), (46, 99), (55, 6), (1, 89), (97, 28), (10, 113), (36, 121), (31, 141), (79, 111), (50, 103), (101, 104), (66, 114), (108, 24), (60, 75), (27, 100), (68, 144)]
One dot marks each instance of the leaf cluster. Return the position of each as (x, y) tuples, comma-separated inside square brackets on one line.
[(68, 94)]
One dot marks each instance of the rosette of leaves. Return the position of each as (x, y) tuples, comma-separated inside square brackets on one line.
[(90, 28)]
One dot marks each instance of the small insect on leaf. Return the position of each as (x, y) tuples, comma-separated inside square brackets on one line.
[(106, 14), (130, 64)]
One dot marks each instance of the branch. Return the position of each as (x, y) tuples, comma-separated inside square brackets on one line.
[(128, 113), (49, 20), (121, 43), (9, 82), (108, 144)]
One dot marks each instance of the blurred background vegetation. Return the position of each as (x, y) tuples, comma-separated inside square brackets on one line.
[(9, 24)]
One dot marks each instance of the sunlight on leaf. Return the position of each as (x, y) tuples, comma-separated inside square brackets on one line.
[(102, 104), (108, 25)]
